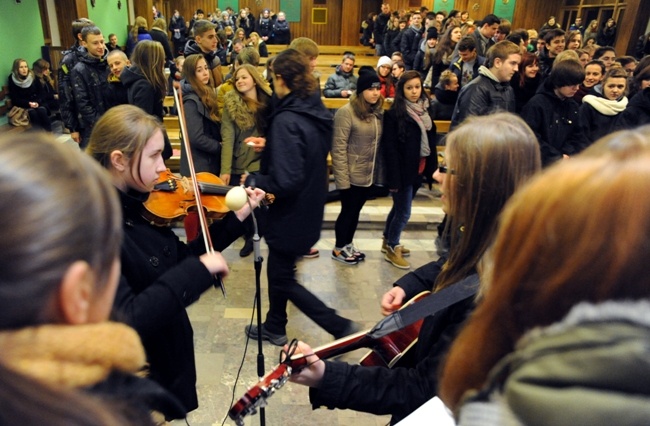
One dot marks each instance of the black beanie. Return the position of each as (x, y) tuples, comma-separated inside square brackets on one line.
[(432, 33), (367, 78)]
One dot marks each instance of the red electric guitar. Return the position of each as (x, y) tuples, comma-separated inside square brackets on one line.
[(385, 351)]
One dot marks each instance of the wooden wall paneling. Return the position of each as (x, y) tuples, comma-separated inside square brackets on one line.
[(66, 12), (635, 21), (351, 22), (532, 15), (143, 8)]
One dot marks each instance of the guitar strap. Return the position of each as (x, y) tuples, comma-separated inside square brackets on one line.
[(432, 304)]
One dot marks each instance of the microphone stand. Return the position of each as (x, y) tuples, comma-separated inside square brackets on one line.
[(258, 259)]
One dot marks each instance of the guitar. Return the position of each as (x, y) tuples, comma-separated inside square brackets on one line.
[(385, 351)]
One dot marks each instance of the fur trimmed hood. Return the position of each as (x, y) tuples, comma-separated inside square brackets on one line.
[(238, 110)]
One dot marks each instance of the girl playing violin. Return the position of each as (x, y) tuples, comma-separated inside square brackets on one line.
[(160, 275)]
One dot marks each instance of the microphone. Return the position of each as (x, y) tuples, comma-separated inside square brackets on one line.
[(236, 198)]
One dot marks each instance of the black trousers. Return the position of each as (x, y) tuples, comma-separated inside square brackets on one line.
[(39, 117), (352, 201), (283, 287)]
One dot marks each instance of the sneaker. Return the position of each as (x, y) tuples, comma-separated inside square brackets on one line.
[(247, 249), (344, 256), (274, 339), (311, 254), (394, 256), (350, 248), (384, 248)]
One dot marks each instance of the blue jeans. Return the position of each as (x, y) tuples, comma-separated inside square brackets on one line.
[(399, 214)]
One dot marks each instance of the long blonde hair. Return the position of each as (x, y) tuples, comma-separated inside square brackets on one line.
[(140, 22)]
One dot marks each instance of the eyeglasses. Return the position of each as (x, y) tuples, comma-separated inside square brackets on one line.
[(442, 168)]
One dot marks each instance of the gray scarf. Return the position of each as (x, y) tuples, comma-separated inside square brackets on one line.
[(418, 111), (23, 84)]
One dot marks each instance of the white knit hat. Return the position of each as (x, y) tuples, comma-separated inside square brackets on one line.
[(384, 60)]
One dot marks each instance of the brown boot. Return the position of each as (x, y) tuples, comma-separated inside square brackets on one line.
[(384, 248), (394, 256)]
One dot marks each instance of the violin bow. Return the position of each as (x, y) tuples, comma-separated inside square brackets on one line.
[(209, 248)]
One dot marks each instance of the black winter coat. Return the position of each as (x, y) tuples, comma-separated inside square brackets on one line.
[(143, 95), (161, 276), (556, 123), (526, 93), (410, 44), (89, 83), (281, 32), (21, 97), (294, 169), (69, 113), (637, 112), (391, 41), (204, 134), (161, 37), (401, 142), (401, 390), (265, 27), (442, 107), (213, 59)]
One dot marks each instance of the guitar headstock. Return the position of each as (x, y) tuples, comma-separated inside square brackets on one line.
[(257, 395)]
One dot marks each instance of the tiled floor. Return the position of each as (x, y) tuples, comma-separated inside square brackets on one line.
[(353, 290)]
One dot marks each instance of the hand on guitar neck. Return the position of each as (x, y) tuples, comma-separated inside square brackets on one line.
[(312, 373)]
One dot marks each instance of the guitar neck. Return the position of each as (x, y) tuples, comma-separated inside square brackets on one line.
[(338, 347)]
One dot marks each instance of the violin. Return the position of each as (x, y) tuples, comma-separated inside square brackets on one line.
[(173, 198)]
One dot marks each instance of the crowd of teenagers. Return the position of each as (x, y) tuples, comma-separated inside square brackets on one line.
[(543, 138)]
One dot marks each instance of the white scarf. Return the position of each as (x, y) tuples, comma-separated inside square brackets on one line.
[(606, 106)]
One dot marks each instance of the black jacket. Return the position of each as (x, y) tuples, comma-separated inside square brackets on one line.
[(637, 112), (482, 96), (161, 276), (143, 95), (442, 107), (410, 44), (391, 41), (380, 28), (204, 134), (401, 142), (89, 83), (265, 27), (281, 32), (178, 24), (136, 397), (524, 94), (21, 97), (402, 389), (161, 37), (116, 93), (556, 123), (69, 113), (294, 169), (213, 59)]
